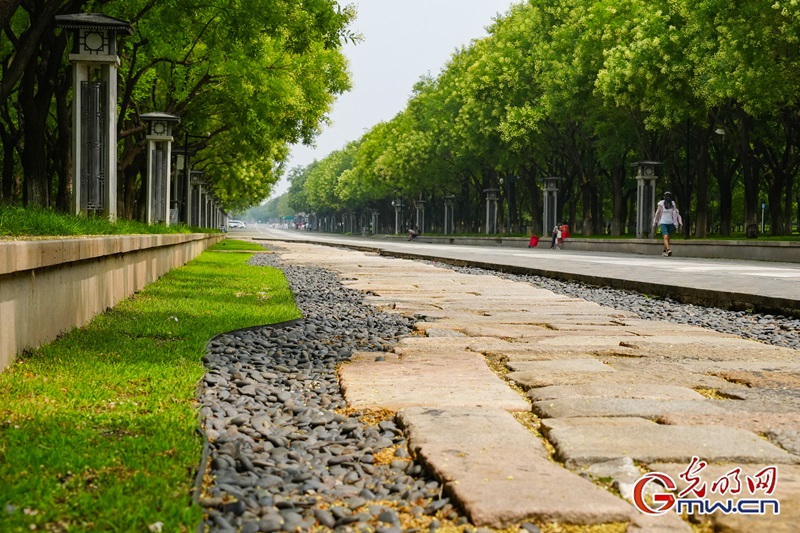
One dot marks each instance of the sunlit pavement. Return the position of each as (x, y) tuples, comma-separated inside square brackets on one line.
[(773, 286)]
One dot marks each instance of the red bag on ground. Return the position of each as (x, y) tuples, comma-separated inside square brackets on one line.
[(534, 241)]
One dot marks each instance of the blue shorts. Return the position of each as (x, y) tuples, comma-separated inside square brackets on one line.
[(667, 229)]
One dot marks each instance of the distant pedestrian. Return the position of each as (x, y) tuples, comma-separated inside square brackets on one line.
[(556, 236), (564, 232), (667, 218)]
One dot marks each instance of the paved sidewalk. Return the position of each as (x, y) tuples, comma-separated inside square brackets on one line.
[(773, 287), (536, 406)]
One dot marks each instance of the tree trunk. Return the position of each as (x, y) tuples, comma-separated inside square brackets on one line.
[(27, 45), (775, 203), (36, 191), (701, 216), (7, 179), (587, 197), (617, 200), (725, 184), (132, 161), (788, 204), (631, 215), (513, 212), (7, 9), (535, 197), (35, 97), (750, 172), (65, 177)]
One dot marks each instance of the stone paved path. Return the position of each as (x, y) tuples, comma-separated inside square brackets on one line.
[(596, 387)]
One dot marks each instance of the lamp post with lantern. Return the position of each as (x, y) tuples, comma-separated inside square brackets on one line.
[(374, 223), (509, 183), (94, 110), (195, 205), (420, 214), (159, 159), (491, 211), (187, 154), (646, 177), (398, 213), (550, 186), (449, 202)]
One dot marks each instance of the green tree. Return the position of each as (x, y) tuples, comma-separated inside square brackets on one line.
[(257, 75)]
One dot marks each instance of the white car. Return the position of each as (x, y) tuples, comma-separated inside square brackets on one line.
[(236, 224)]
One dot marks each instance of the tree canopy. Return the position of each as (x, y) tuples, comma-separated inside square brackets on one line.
[(248, 78), (581, 89)]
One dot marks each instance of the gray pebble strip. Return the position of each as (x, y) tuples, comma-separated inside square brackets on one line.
[(284, 454), (777, 330)]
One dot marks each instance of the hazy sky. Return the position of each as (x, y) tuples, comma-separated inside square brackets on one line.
[(403, 40)]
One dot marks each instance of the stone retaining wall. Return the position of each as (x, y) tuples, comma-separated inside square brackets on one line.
[(49, 287)]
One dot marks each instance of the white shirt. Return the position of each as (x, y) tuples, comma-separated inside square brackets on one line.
[(667, 216)]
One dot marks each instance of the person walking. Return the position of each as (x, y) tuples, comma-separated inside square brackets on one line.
[(667, 218), (556, 242)]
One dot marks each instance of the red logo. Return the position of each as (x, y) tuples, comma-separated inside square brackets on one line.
[(662, 501), (701, 502)]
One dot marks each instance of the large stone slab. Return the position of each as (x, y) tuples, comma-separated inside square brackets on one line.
[(583, 444), (585, 364), (531, 379), (650, 391), (703, 353), (707, 350), (644, 408), (417, 345), (446, 379), (787, 492), (500, 472), (647, 328), (757, 422), (783, 361), (769, 378), (782, 429)]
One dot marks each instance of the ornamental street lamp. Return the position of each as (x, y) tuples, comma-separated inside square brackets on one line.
[(181, 193), (646, 177), (550, 186), (158, 189), (374, 223), (420, 211), (491, 211), (94, 110), (186, 196), (398, 212), (195, 204), (449, 201)]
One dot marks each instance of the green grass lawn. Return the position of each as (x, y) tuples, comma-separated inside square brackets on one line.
[(30, 222), (98, 430)]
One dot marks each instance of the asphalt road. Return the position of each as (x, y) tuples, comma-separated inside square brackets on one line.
[(758, 285)]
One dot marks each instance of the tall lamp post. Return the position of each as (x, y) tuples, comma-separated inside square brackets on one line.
[(159, 144), (374, 223), (187, 172), (398, 212), (491, 211), (94, 110), (550, 185), (194, 205), (449, 201), (420, 208), (181, 199), (646, 177)]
